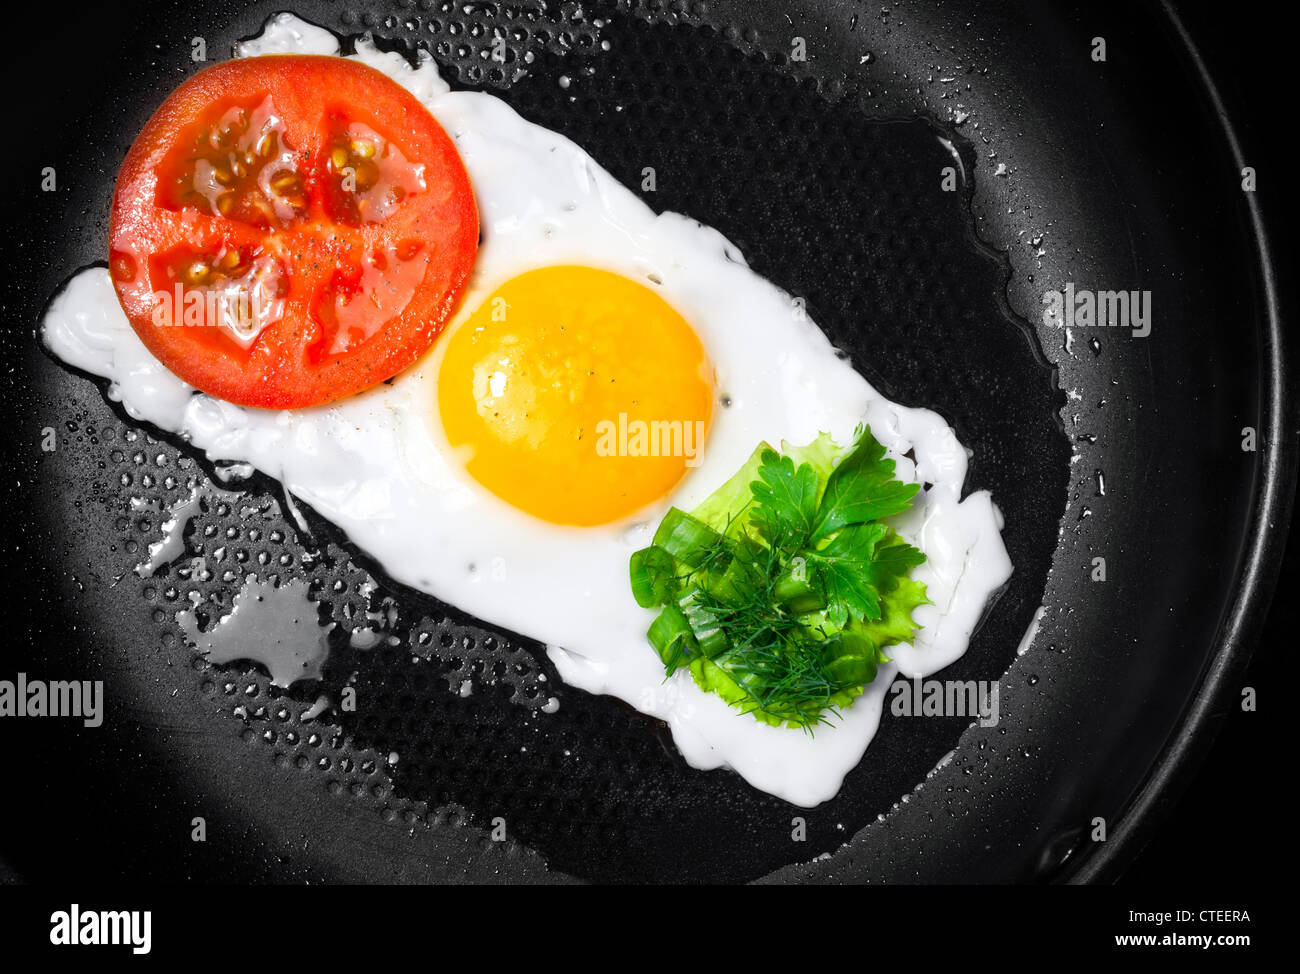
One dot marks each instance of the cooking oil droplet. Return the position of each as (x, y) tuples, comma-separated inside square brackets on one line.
[(277, 626)]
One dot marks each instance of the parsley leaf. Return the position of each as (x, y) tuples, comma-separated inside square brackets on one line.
[(844, 568), (785, 500), (861, 488), (861, 564)]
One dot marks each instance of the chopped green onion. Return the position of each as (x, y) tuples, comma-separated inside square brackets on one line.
[(654, 577), (687, 539), (670, 634), (855, 670), (704, 624), (797, 590)]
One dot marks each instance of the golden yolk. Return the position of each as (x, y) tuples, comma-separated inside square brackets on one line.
[(579, 396)]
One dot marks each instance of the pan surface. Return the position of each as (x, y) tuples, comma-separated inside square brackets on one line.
[(1095, 442)]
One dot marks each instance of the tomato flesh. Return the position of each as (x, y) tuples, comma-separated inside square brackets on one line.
[(288, 230)]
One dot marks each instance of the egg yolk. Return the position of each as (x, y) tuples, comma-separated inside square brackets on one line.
[(579, 396)]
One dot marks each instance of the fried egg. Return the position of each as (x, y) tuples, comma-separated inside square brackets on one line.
[(478, 475)]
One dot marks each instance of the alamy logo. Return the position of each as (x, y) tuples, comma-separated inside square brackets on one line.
[(53, 698), (946, 698), (657, 438), (132, 928), (1074, 307), (242, 297)]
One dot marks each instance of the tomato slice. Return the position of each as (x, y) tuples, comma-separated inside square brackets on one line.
[(290, 229)]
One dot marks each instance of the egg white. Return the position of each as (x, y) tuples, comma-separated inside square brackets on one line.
[(379, 467)]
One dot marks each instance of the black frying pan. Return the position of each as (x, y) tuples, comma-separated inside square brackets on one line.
[(1122, 174)]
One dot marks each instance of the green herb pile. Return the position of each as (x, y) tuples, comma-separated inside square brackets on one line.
[(781, 591)]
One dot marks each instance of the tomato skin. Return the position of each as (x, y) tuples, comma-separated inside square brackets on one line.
[(300, 358)]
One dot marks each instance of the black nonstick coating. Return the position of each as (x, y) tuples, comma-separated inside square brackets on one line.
[(827, 174)]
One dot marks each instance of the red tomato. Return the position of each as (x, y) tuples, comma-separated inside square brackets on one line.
[(288, 230)]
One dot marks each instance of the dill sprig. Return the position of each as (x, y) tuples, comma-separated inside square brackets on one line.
[(774, 658)]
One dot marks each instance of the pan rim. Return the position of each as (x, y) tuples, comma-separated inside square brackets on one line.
[(1271, 512)]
